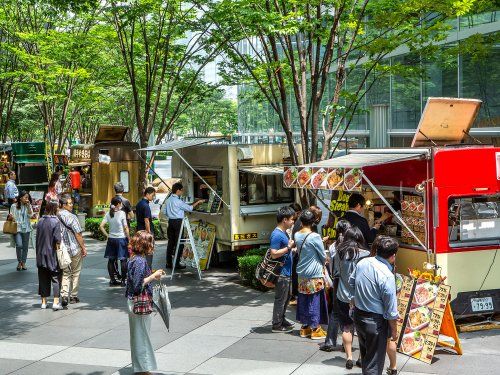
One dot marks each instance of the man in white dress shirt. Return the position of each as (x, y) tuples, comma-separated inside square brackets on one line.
[(175, 209)]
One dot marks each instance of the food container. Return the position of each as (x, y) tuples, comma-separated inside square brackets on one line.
[(419, 318), (412, 343), (425, 293), (318, 179)]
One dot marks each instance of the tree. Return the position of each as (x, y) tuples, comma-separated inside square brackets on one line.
[(164, 50), (288, 49), (214, 114)]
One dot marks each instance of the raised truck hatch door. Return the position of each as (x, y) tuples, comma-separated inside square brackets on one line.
[(108, 133), (445, 121)]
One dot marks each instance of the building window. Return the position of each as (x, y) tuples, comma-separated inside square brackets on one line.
[(263, 189), (474, 221)]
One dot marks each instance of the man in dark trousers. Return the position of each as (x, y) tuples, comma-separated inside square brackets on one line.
[(175, 209), (144, 216), (355, 217), (375, 304)]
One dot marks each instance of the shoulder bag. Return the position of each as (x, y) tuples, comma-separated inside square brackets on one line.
[(143, 303), (268, 271), (63, 257)]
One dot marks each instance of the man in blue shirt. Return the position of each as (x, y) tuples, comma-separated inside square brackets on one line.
[(144, 217), (10, 191), (175, 209), (281, 246), (375, 312)]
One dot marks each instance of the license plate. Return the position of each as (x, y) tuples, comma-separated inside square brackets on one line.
[(481, 304)]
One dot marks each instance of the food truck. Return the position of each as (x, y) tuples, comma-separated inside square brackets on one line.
[(449, 196), (248, 180), (109, 160), (31, 166)]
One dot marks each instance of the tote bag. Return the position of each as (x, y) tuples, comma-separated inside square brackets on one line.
[(63, 257)]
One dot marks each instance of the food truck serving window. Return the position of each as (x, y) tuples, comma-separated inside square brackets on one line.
[(474, 221), (262, 189), (212, 177)]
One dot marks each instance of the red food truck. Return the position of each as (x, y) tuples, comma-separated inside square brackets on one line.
[(447, 218)]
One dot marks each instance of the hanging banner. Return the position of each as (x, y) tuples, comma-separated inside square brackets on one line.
[(323, 178), (338, 206)]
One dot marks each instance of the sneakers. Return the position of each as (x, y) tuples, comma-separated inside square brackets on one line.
[(281, 329), (305, 332), (114, 283), (56, 307), (391, 371), (330, 348), (286, 323), (43, 306), (64, 301), (318, 334), (293, 302)]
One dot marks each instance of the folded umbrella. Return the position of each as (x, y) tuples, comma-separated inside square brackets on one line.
[(161, 302)]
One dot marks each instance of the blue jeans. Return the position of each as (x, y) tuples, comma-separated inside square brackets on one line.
[(22, 243)]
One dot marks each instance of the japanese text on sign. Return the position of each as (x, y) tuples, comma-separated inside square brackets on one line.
[(245, 236)]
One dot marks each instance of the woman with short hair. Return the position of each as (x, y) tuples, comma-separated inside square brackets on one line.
[(312, 310), (139, 278), (48, 240)]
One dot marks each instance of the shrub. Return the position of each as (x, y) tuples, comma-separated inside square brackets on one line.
[(260, 251), (247, 264), (92, 225)]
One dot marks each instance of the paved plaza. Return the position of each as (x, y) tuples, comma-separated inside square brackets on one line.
[(218, 327)]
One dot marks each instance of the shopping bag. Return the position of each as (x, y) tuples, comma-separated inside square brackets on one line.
[(161, 302), (63, 257), (10, 227)]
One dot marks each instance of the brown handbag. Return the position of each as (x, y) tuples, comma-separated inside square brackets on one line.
[(10, 227)]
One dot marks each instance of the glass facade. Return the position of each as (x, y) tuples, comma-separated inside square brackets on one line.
[(463, 77)]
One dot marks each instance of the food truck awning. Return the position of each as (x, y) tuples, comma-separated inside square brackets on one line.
[(180, 143), (263, 169), (369, 157)]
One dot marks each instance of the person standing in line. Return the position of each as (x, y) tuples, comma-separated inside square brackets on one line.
[(127, 208), (48, 240), (355, 216), (175, 210), (10, 191), (333, 323), (144, 216), (295, 288), (312, 309), (139, 278), (349, 252), (54, 189), (118, 240), (21, 212), (375, 304), (281, 249), (71, 233), (75, 180)]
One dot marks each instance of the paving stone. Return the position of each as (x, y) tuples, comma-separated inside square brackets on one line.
[(52, 368), (50, 335), (29, 352), (229, 366), (316, 369), (229, 327), (9, 365), (205, 344), (267, 350), (96, 357)]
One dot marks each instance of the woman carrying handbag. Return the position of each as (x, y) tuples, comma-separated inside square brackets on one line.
[(312, 310), (139, 293), (21, 213)]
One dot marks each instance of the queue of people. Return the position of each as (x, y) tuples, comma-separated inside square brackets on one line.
[(362, 293)]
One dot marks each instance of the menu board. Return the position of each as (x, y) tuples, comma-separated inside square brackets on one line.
[(204, 238), (323, 178), (413, 211), (421, 306), (337, 207)]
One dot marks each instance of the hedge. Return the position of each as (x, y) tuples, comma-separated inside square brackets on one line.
[(247, 264), (92, 225)]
